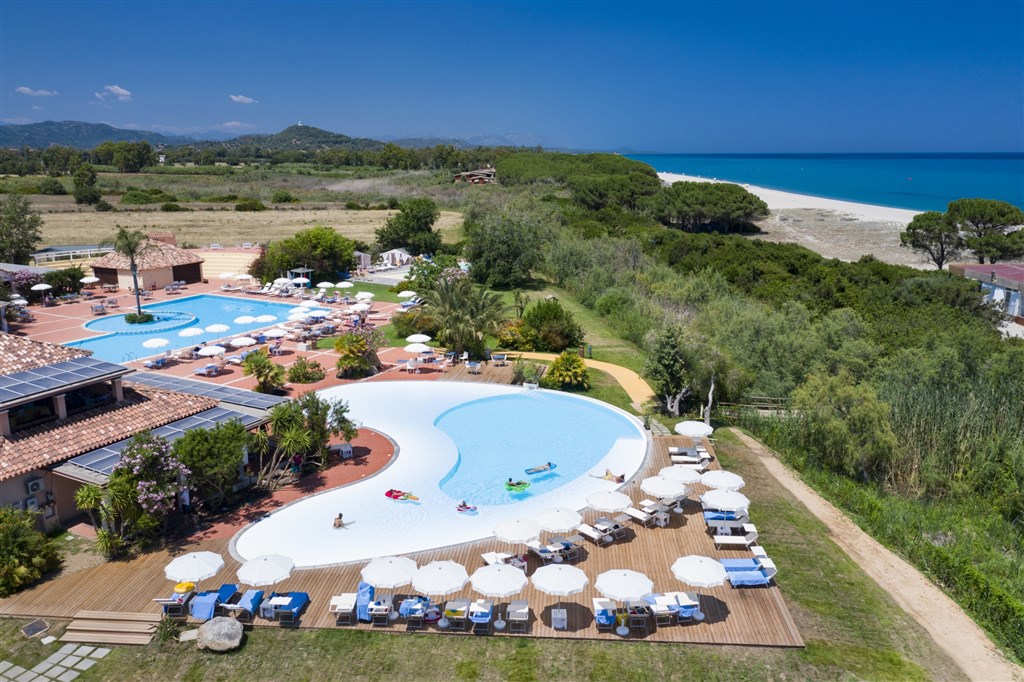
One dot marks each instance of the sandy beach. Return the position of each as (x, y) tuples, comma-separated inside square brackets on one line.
[(834, 228)]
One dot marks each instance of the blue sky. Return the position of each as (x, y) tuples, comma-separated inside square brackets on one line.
[(671, 77)]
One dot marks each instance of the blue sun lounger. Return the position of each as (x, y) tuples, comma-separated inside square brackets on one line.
[(288, 614), (761, 577), (205, 603), (740, 565), (364, 597), (721, 516), (245, 609), (480, 614)]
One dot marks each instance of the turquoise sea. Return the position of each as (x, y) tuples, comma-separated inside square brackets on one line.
[(923, 182)]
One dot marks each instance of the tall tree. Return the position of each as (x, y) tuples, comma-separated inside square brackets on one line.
[(19, 229), (506, 246), (85, 185), (690, 205), (133, 245), (412, 228), (666, 367), (986, 224), (935, 236)]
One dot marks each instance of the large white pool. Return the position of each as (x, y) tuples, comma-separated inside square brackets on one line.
[(455, 441)]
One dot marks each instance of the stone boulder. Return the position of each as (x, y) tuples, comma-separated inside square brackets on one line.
[(220, 634)]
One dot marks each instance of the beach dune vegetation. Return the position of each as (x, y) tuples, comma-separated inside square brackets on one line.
[(720, 206)]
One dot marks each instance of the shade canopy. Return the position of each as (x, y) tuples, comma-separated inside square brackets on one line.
[(406, 294), (282, 280), (298, 317), (217, 328), (659, 486), (559, 519), (726, 500), (726, 480), (298, 310), (300, 280), (417, 348), (266, 570), (623, 584), (361, 307), (417, 338), (309, 304), (440, 578), (609, 501), (194, 566), (210, 351), (242, 341), (89, 280), (684, 475), (155, 343), (42, 286), (559, 580), (365, 295), (275, 333), (699, 571), (244, 276), (319, 314), (693, 429), (498, 580), (191, 331), (389, 572), (245, 319), (517, 531)]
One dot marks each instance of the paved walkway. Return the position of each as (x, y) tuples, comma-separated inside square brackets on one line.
[(638, 390), (64, 665)]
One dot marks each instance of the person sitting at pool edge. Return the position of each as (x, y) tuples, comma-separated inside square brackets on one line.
[(339, 521)]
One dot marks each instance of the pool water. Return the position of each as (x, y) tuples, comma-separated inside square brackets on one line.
[(500, 437), (124, 342)]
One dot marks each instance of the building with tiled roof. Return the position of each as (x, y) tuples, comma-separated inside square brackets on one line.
[(19, 353), (1002, 283), (161, 265)]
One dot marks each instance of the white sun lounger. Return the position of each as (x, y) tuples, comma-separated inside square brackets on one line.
[(640, 517), (746, 540), (594, 535), (518, 616)]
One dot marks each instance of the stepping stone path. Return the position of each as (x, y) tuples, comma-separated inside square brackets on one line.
[(63, 666)]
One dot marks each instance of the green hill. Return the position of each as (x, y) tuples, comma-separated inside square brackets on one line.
[(78, 134), (298, 138)]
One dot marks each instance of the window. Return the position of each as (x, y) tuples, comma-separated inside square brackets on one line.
[(33, 413), (87, 398)]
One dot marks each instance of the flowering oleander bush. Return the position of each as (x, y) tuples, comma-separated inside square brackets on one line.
[(157, 475)]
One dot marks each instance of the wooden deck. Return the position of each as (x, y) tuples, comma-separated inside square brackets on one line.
[(749, 616)]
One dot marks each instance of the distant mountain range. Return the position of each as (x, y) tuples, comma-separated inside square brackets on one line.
[(299, 137)]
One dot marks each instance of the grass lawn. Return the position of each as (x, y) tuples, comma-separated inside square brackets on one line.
[(852, 629)]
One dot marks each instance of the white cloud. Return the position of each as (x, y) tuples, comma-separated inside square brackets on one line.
[(235, 125), (36, 107), (115, 91), (242, 99), (24, 90)]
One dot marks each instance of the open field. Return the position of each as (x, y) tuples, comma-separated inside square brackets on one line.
[(66, 223)]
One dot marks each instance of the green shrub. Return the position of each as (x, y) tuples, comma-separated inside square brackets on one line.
[(250, 205), (526, 372), (52, 187), (305, 372), (136, 318), (87, 195), (171, 207), (515, 334), (222, 198), (282, 196), (167, 630), (138, 196), (27, 554), (568, 372), (104, 206), (555, 327), (409, 323)]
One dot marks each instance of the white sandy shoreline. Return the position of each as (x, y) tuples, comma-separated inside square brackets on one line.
[(778, 200)]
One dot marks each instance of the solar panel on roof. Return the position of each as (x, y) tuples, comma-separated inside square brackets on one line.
[(225, 394), (25, 384)]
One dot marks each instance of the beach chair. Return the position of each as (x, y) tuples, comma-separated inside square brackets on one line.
[(594, 535), (159, 363), (288, 614), (754, 578), (480, 614), (746, 540), (245, 609), (205, 604), (99, 309), (543, 553), (457, 613), (246, 245), (687, 606), (25, 316), (112, 303), (343, 607), (380, 611), (210, 370), (518, 616), (604, 614), (364, 597), (414, 611), (643, 518), (215, 247), (176, 606)]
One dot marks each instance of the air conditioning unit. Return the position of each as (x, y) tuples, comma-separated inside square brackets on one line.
[(34, 486)]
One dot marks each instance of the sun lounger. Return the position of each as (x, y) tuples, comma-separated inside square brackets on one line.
[(761, 577), (414, 611), (604, 614), (746, 540), (543, 553), (205, 604), (176, 605), (640, 517), (288, 613), (380, 611), (364, 596), (739, 565), (245, 609), (457, 613), (480, 614), (99, 309), (518, 616), (594, 535), (685, 606), (215, 247), (343, 607)]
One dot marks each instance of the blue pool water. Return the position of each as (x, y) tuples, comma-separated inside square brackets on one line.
[(923, 182), (523, 431), (124, 342)]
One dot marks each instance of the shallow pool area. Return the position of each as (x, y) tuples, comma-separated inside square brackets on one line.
[(123, 342), (455, 441)]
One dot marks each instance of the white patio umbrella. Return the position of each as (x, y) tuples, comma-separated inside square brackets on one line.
[(517, 531), (325, 285), (559, 519), (18, 301), (623, 584), (245, 319), (498, 580), (242, 341), (417, 348), (361, 307), (89, 280), (693, 429), (726, 500), (194, 566), (559, 580), (282, 280), (243, 276), (265, 570), (344, 285), (440, 578), (406, 294), (319, 314), (275, 333), (300, 280), (389, 572), (725, 480), (155, 343), (298, 310), (41, 287), (210, 351), (609, 501), (699, 571), (684, 475), (309, 304), (226, 275), (659, 486), (298, 317), (417, 338), (191, 331), (217, 328), (264, 319), (365, 295)]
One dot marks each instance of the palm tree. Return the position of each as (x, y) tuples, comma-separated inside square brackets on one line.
[(133, 245), (465, 314), (89, 497)]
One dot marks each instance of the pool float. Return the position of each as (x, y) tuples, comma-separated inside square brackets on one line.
[(541, 469), (466, 508), (517, 487), (400, 495)]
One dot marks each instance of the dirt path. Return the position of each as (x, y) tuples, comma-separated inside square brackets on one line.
[(637, 389), (949, 626)]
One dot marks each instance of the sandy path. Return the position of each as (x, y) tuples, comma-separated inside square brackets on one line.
[(949, 626)]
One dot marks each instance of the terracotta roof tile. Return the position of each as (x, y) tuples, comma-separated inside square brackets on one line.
[(158, 255), (18, 353), (142, 408)]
